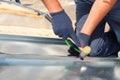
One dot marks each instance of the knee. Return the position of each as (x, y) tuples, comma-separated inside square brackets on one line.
[(97, 47), (96, 52)]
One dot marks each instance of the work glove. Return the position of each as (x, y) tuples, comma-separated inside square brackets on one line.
[(83, 38), (62, 26), (84, 41), (84, 44)]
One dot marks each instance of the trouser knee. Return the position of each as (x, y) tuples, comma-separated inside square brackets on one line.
[(105, 45)]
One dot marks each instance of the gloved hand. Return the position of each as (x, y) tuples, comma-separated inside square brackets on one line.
[(83, 38), (62, 26), (84, 41)]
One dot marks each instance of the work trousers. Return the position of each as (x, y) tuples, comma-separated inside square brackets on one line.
[(17, 1), (102, 43)]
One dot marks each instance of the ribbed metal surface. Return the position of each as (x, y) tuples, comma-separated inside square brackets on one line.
[(37, 58)]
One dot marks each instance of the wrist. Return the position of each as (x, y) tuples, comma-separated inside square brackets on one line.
[(57, 13), (52, 5)]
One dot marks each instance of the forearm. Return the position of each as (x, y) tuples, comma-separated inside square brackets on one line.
[(99, 9), (52, 5)]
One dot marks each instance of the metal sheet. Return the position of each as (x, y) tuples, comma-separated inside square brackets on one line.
[(14, 44), (57, 68), (32, 58)]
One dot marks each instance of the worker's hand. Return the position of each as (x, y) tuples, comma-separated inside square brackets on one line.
[(84, 39), (62, 26)]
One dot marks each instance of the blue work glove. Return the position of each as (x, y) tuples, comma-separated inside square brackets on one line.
[(62, 26), (84, 39)]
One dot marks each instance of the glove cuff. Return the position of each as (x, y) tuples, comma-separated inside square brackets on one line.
[(57, 13)]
